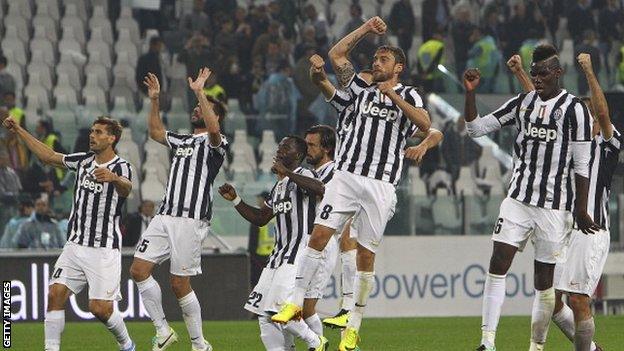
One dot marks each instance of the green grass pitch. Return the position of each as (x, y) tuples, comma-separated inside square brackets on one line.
[(444, 334)]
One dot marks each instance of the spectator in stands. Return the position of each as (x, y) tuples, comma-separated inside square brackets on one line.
[(149, 62), (258, 20), (41, 230), (136, 223), (461, 28), (10, 187), (580, 19), (272, 35), (308, 41), (403, 24), (430, 55), (610, 21), (355, 10), (226, 41), (589, 46), (219, 9), (321, 28), (196, 21), (7, 82), (277, 102), (435, 14), (260, 244), (46, 133), (492, 24), (24, 212), (273, 57), (287, 16), (485, 56), (309, 92)]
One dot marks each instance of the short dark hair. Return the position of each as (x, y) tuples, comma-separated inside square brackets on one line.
[(543, 52), (155, 40), (300, 145), (113, 127), (397, 52), (47, 124), (219, 109), (3, 60), (328, 136)]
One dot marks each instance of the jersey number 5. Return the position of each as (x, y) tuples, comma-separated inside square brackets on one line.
[(143, 246)]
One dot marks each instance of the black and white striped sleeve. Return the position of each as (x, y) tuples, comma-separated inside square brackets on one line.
[(502, 117), (72, 161), (414, 98), (581, 123), (306, 173), (174, 139), (123, 169), (356, 85), (341, 100)]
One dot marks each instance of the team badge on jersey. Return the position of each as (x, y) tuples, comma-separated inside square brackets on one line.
[(557, 114)]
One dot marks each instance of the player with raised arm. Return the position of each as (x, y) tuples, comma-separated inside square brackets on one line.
[(91, 257), (183, 219), (293, 203), (322, 159), (586, 255), (369, 165), (553, 142)]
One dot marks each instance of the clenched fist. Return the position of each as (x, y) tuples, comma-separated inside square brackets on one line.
[(515, 63), (376, 25), (472, 77), (228, 192), (585, 61)]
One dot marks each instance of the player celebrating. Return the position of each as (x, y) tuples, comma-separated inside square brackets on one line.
[(321, 155), (586, 254), (553, 129), (368, 167), (183, 219), (294, 206), (91, 255)]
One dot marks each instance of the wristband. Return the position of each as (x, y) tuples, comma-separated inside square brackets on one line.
[(237, 200)]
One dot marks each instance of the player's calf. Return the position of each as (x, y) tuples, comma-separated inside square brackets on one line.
[(180, 285), (101, 309)]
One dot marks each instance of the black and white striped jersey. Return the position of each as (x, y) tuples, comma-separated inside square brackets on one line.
[(372, 131), (325, 173), (602, 165), (96, 210), (542, 170), (294, 211), (193, 170)]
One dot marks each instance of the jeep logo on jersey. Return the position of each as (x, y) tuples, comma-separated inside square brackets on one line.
[(89, 184), (375, 111), (184, 152), (282, 206), (540, 133)]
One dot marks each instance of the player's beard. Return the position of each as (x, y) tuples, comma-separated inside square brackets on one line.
[(198, 123), (381, 77)]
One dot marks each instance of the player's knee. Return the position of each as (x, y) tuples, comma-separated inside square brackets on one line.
[(101, 309), (56, 298), (579, 304), (138, 272), (181, 286), (499, 263), (365, 259)]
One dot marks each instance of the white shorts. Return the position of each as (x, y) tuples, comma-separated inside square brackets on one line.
[(325, 270), (585, 258), (274, 288), (177, 238), (369, 201), (548, 229), (97, 267)]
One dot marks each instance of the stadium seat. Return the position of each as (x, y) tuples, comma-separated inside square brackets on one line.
[(36, 96), (65, 95), (43, 71), (177, 117), (151, 188), (77, 30), (20, 9), (67, 66), (42, 42), (243, 149), (157, 151), (21, 25), (417, 187), (48, 8), (122, 107), (446, 214), (96, 76), (101, 31), (126, 51), (465, 184), (95, 98), (100, 3), (42, 56), (127, 22), (49, 25), (129, 150), (76, 8), (125, 71), (70, 44), (96, 44), (153, 163), (488, 172), (17, 72)]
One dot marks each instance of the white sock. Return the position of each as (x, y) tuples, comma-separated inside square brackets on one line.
[(53, 328), (117, 326), (191, 312), (347, 259), (584, 333), (152, 300), (301, 330), (271, 334), (314, 322), (564, 319), (305, 272), (493, 298), (543, 307), (363, 286)]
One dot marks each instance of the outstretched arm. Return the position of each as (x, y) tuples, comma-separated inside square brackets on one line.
[(256, 216), (598, 100), (339, 53), (319, 77), (155, 125), (41, 150), (210, 118), (515, 66)]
